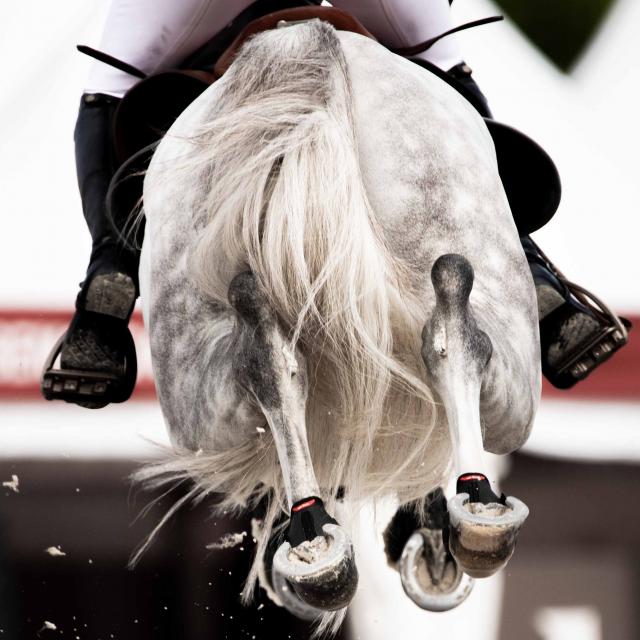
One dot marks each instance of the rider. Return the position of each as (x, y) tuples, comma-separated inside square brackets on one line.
[(154, 35)]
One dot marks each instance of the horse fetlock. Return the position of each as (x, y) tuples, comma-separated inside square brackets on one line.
[(316, 561), (483, 528)]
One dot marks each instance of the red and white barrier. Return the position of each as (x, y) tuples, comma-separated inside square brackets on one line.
[(27, 337)]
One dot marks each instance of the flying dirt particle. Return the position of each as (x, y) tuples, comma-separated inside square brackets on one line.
[(55, 552), (48, 626), (309, 551), (260, 429), (228, 541), (260, 606), (256, 529), (12, 484)]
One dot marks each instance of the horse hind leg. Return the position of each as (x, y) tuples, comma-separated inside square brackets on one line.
[(482, 527), (313, 568)]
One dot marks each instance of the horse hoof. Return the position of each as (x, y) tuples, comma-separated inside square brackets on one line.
[(482, 537), (290, 600), (430, 576), (322, 571)]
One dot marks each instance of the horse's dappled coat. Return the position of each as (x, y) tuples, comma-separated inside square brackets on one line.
[(337, 173)]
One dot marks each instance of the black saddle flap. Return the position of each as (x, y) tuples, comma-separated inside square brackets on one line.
[(530, 178)]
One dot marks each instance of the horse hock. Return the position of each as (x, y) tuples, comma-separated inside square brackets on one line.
[(316, 561), (482, 526)]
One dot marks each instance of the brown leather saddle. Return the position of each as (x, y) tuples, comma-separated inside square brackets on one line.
[(149, 108)]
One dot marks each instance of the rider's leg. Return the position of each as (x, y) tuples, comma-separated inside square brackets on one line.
[(151, 35), (566, 325), (97, 339), (404, 23)]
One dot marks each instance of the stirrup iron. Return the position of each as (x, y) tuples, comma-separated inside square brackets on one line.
[(97, 388), (612, 337)]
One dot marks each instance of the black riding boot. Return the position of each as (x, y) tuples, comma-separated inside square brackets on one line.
[(98, 339), (575, 337)]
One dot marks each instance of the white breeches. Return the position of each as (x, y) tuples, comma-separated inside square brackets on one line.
[(154, 35), (404, 23)]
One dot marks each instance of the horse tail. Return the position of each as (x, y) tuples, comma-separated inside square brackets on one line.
[(284, 197)]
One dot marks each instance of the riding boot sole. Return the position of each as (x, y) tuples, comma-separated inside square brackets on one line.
[(111, 294)]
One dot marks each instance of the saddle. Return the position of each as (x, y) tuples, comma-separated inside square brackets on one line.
[(149, 108)]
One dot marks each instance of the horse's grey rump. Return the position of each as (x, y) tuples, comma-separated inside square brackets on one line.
[(398, 171)]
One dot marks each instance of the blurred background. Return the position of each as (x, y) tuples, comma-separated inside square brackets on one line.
[(564, 71)]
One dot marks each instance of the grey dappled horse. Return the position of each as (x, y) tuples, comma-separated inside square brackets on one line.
[(339, 308)]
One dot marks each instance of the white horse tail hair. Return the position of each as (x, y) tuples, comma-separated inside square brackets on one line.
[(283, 196)]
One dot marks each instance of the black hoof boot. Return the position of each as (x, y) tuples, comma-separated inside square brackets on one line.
[(316, 560), (276, 585), (576, 335)]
